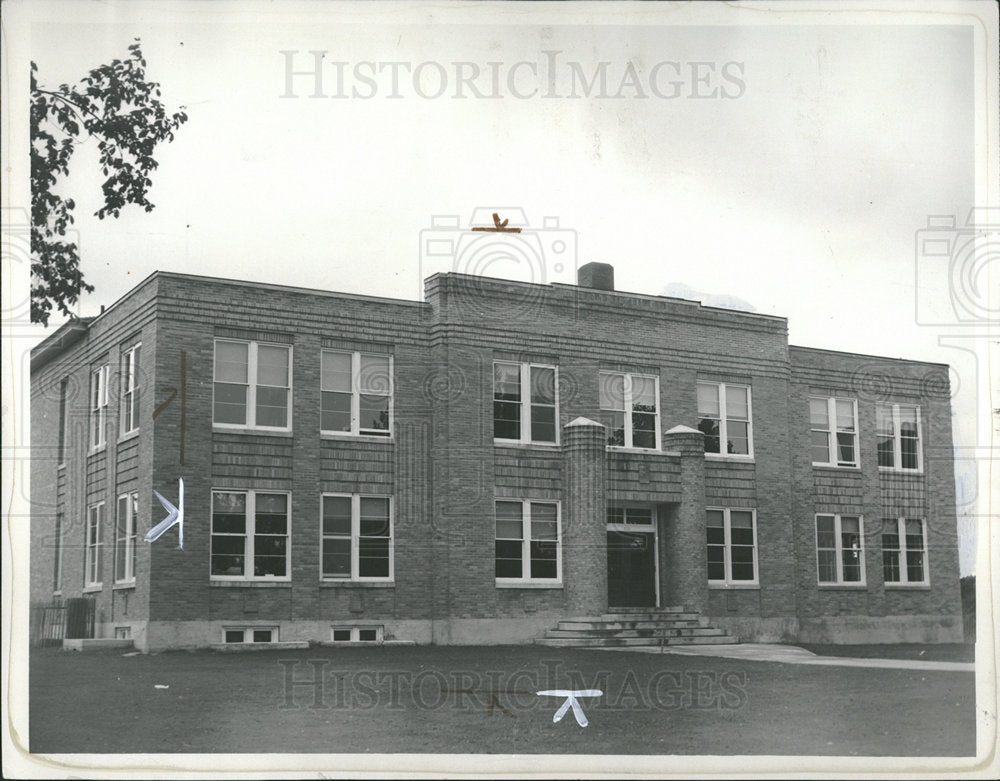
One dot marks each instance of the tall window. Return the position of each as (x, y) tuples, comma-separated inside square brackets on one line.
[(62, 420), (833, 431), (898, 427), (840, 553), (253, 384), (724, 418), (125, 536), (93, 559), (630, 410), (524, 402), (57, 557), (130, 390), (904, 551), (356, 538), (527, 542), (98, 406), (250, 531), (732, 546), (357, 393)]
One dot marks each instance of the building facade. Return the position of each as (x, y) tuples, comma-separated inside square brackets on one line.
[(475, 467)]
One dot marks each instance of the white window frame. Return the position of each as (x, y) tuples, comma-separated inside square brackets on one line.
[(627, 395), (130, 390), (897, 438), (832, 445), (526, 404), (355, 631), (356, 430), (250, 423), (526, 538), (99, 408), (728, 581), (93, 559), (249, 630), (355, 577), (720, 389), (248, 536), (125, 544), (903, 550), (839, 550)]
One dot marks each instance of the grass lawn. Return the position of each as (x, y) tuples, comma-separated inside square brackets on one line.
[(481, 699), (944, 652)]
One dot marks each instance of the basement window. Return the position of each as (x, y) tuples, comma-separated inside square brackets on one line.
[(357, 634), (250, 635), (123, 633)]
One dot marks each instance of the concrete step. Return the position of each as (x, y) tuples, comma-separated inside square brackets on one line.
[(670, 609), (647, 615), (625, 642), (572, 624), (698, 631)]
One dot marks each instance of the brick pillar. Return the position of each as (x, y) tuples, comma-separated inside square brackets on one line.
[(584, 514), (686, 581)]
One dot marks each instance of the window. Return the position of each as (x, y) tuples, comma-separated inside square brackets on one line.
[(524, 402), (125, 520), (250, 526), (631, 516), (527, 542), (629, 409), (130, 390), (93, 546), (904, 551), (98, 407), (250, 634), (898, 427), (57, 544), (733, 428), (356, 538), (840, 551), (357, 634), (833, 431), (62, 420), (252, 385), (123, 633), (732, 546), (357, 393)]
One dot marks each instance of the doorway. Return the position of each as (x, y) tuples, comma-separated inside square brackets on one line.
[(632, 559)]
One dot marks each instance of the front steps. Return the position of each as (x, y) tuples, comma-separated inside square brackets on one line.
[(655, 627)]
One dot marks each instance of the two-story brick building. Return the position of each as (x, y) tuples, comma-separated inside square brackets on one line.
[(478, 466)]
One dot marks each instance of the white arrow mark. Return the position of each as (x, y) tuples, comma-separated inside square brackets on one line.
[(571, 702), (174, 515)]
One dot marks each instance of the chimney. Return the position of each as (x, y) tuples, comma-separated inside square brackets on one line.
[(600, 276)]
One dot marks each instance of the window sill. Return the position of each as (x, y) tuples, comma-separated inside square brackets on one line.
[(93, 589), (734, 586), (357, 584), (736, 459), (333, 436), (621, 449), (250, 583), (256, 432), (891, 470), (528, 584), (124, 586), (128, 435), (546, 446), (95, 450), (908, 586), (838, 467), (842, 586)]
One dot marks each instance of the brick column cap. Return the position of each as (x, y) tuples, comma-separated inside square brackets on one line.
[(582, 421), (683, 430)]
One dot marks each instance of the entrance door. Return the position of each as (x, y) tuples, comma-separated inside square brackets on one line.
[(631, 569)]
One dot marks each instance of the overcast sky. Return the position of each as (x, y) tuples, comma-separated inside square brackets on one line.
[(777, 161)]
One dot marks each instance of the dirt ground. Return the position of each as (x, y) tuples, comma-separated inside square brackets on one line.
[(483, 700)]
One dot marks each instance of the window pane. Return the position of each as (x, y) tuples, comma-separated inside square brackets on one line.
[(845, 448), (612, 391), (710, 428), (228, 523), (850, 525), (883, 420), (643, 430), (509, 530), (337, 515), (819, 416), (272, 406), (373, 557), (507, 381), (374, 375), (715, 518), (509, 521), (827, 566), (543, 424), (716, 535), (825, 535), (234, 635), (886, 457), (373, 412), (820, 443), (708, 400), (335, 371), (543, 512), (272, 365), (267, 565), (271, 524), (716, 562), (643, 515), (737, 405), (507, 420), (336, 558), (262, 635), (845, 415), (336, 412), (509, 510), (543, 385), (908, 448), (644, 394), (890, 565), (230, 404), (615, 423), (374, 521), (742, 560), (271, 503), (914, 534), (508, 559), (543, 559), (229, 502), (231, 362), (737, 438), (915, 566)]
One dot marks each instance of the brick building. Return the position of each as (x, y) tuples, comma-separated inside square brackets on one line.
[(476, 467)]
